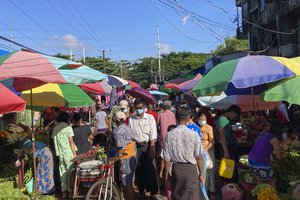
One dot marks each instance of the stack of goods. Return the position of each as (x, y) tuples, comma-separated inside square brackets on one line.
[(13, 135)]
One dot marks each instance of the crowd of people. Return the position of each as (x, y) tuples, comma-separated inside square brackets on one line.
[(166, 147)]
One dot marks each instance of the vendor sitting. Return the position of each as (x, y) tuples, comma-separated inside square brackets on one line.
[(259, 156), (44, 170)]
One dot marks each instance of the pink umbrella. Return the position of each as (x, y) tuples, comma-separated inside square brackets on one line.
[(101, 88), (28, 70), (133, 84), (188, 85), (143, 94), (174, 82)]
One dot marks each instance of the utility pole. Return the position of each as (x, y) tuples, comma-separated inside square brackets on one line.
[(151, 70), (83, 55), (158, 54), (121, 66), (11, 44), (103, 57), (71, 54)]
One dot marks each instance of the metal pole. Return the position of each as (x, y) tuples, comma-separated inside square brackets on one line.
[(121, 66), (83, 55), (158, 55), (33, 144), (278, 35), (11, 44), (71, 54)]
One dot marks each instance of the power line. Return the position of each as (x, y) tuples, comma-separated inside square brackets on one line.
[(27, 37), (253, 24), (34, 21), (20, 45), (179, 31), (91, 28)]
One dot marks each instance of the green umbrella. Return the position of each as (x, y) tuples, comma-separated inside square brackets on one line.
[(287, 90), (57, 95)]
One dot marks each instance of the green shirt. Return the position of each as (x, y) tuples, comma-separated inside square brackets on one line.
[(223, 122), (61, 134)]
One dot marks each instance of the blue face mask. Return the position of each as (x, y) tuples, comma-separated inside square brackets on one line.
[(140, 111)]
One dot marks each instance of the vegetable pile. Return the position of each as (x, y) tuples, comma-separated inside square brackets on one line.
[(265, 191)]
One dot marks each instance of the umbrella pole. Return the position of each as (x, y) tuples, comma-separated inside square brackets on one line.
[(253, 101), (33, 145)]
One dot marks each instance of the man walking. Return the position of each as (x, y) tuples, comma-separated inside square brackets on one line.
[(145, 132), (183, 148)]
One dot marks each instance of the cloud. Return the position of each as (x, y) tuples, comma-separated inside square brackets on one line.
[(165, 48), (67, 41)]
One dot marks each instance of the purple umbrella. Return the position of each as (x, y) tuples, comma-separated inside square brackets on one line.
[(143, 94), (188, 85)]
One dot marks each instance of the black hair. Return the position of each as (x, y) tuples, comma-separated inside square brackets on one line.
[(198, 115), (171, 127), (183, 113), (63, 117), (139, 101), (98, 107), (264, 115), (235, 109), (77, 117), (276, 129), (56, 109)]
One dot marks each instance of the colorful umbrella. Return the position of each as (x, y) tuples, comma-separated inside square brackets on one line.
[(173, 83), (101, 88), (188, 85), (57, 95), (117, 81), (246, 72), (133, 84), (10, 102), (143, 94), (245, 102), (159, 95), (28, 70), (287, 90), (82, 74)]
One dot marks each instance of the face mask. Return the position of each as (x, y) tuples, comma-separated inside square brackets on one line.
[(125, 110), (140, 111), (201, 123)]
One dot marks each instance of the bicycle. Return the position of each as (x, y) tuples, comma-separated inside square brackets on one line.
[(105, 188)]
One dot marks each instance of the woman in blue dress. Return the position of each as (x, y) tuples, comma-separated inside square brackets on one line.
[(44, 170)]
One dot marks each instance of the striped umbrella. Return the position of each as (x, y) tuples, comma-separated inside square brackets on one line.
[(58, 95), (117, 81), (101, 88)]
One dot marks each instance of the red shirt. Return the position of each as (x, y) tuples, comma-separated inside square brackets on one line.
[(154, 114)]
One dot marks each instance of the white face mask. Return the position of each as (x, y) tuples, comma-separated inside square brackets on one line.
[(201, 123), (125, 110)]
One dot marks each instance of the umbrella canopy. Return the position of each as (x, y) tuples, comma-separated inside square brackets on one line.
[(58, 95), (159, 95), (174, 82), (101, 88), (188, 85), (245, 73), (133, 84), (10, 102), (117, 81), (143, 94), (245, 102), (28, 70), (82, 74), (287, 90)]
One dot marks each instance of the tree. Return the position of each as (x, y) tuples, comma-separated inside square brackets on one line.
[(231, 45)]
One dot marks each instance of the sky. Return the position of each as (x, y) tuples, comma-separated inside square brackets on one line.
[(124, 29)]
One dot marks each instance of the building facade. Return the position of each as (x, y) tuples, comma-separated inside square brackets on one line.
[(271, 26)]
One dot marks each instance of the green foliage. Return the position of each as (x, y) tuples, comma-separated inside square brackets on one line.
[(231, 45)]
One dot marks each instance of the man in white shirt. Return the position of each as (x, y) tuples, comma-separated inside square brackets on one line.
[(145, 132)]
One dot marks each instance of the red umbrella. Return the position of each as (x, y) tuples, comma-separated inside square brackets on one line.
[(143, 94), (101, 88), (10, 102), (133, 84), (28, 70), (173, 83)]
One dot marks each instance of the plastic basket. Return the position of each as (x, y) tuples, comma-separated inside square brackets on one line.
[(29, 186), (232, 192)]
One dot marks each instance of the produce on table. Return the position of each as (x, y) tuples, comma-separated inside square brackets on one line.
[(265, 191), (101, 153)]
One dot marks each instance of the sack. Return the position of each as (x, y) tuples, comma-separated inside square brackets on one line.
[(209, 162), (231, 191)]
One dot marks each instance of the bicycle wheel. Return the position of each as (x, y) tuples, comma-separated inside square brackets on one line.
[(98, 191)]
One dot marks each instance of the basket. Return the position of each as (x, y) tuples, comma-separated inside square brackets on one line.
[(232, 192)]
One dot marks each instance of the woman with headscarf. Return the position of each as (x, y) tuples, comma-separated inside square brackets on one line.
[(44, 170)]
